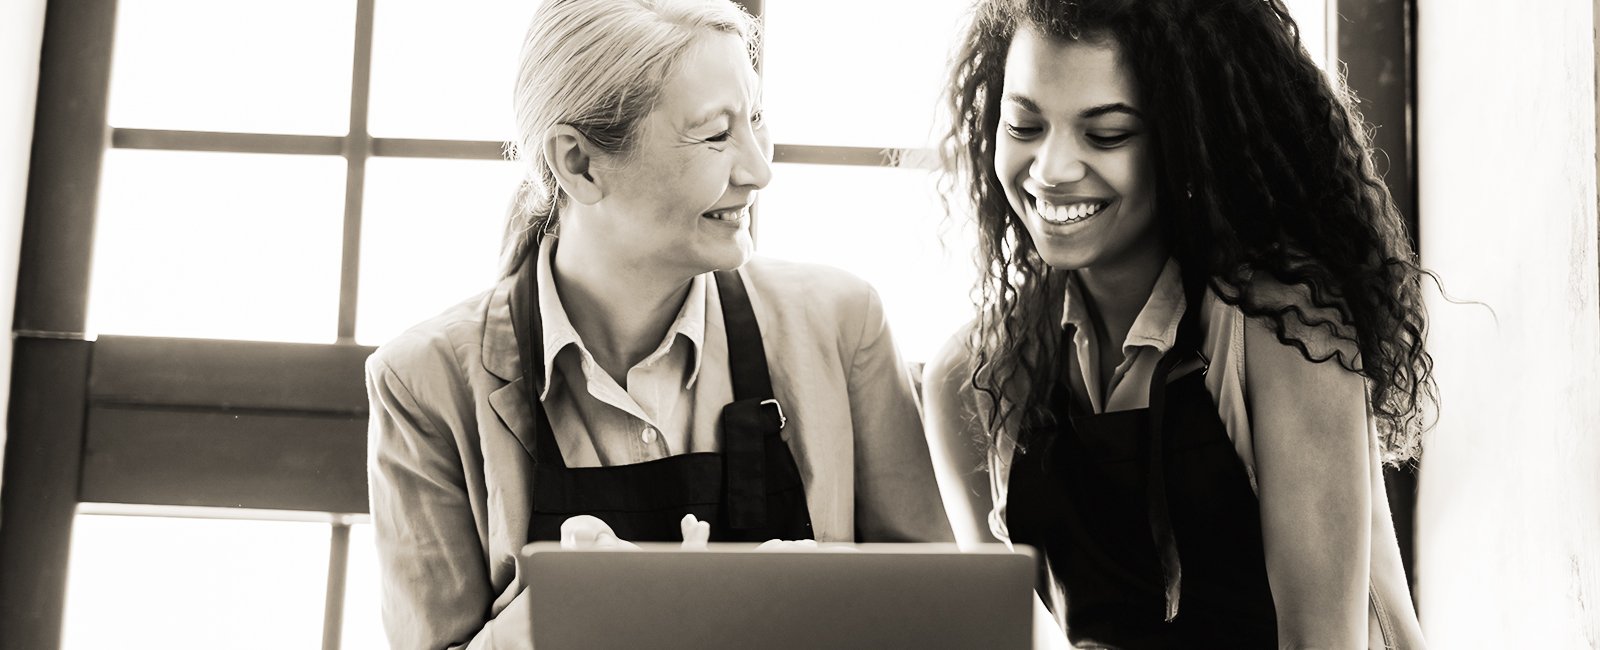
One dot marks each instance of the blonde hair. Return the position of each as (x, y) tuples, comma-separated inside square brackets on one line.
[(598, 66)]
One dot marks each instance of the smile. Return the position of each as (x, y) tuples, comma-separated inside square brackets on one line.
[(1069, 212), (734, 213)]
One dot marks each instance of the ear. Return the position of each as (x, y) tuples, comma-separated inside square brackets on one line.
[(569, 155)]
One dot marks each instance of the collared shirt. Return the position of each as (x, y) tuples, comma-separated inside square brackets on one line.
[(451, 433), (599, 423), (1154, 331)]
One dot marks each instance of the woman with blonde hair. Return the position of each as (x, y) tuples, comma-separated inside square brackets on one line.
[(1200, 333), (635, 371)]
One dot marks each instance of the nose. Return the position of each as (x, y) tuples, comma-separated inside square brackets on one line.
[(1059, 160), (753, 166)]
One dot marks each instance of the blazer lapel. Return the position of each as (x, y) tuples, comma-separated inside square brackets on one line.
[(500, 358), (510, 404)]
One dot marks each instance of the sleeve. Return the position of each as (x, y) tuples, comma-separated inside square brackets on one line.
[(434, 579), (897, 498)]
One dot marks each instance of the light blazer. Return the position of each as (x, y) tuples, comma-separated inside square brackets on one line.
[(450, 433)]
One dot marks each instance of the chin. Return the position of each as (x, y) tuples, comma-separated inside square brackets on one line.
[(725, 255)]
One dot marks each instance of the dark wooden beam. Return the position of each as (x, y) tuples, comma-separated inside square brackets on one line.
[(1377, 45), (231, 459), (220, 375), (44, 444), (69, 141)]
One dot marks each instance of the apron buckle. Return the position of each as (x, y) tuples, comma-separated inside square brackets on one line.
[(781, 419)]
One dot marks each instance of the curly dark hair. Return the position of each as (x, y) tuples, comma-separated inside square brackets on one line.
[(1262, 167)]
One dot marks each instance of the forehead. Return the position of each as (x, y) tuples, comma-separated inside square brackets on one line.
[(1068, 75), (714, 77)]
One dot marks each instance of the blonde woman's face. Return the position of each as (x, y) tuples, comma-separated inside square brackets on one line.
[(1074, 153), (681, 202)]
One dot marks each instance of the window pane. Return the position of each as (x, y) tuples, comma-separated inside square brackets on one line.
[(363, 621), (430, 238), (263, 67), (169, 583), (218, 245), (867, 74), (446, 74), (1312, 18), (882, 224)]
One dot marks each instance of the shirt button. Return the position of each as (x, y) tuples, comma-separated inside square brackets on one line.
[(649, 435)]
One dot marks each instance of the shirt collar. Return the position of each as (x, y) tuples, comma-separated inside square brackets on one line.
[(1157, 323), (559, 333)]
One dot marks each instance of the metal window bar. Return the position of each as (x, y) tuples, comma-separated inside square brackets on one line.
[(321, 145)]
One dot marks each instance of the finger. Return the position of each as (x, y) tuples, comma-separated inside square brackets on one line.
[(697, 536), (581, 531), (686, 526)]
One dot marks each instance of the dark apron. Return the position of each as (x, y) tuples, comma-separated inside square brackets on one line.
[(1140, 510), (750, 492)]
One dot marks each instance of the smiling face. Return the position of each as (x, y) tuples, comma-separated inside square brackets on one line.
[(679, 202), (1075, 155)]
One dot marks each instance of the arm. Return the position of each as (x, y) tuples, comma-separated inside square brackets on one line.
[(435, 582), (897, 498), (1309, 429), (954, 432)]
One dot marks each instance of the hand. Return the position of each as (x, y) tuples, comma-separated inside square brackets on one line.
[(788, 545), (695, 533), (589, 532)]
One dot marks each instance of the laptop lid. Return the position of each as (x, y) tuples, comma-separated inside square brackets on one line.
[(878, 596)]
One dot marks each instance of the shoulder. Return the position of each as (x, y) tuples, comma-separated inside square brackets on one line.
[(1312, 326), (951, 367), (805, 283), (814, 297), (430, 350), (947, 378)]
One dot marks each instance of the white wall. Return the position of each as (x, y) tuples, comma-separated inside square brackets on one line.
[(1509, 507), (21, 28)]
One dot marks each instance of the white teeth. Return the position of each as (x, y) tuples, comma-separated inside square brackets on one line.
[(727, 215), (1068, 213)]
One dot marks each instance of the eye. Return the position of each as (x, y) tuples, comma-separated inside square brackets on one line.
[(757, 119), (1022, 132), (1110, 139), (720, 137)]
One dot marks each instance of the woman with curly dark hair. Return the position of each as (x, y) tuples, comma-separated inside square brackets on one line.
[(1199, 334)]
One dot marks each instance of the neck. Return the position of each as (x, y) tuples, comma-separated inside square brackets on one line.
[(620, 307), (1118, 290)]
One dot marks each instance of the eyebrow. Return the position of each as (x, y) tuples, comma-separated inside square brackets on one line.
[(1087, 113), (1115, 107), (705, 118)]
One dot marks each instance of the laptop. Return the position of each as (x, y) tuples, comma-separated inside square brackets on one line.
[(880, 596)]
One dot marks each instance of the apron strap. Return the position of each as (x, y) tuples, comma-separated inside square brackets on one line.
[(1188, 342), (747, 357), (752, 421)]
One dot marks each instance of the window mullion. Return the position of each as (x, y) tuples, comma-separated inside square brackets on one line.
[(338, 567), (358, 145)]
